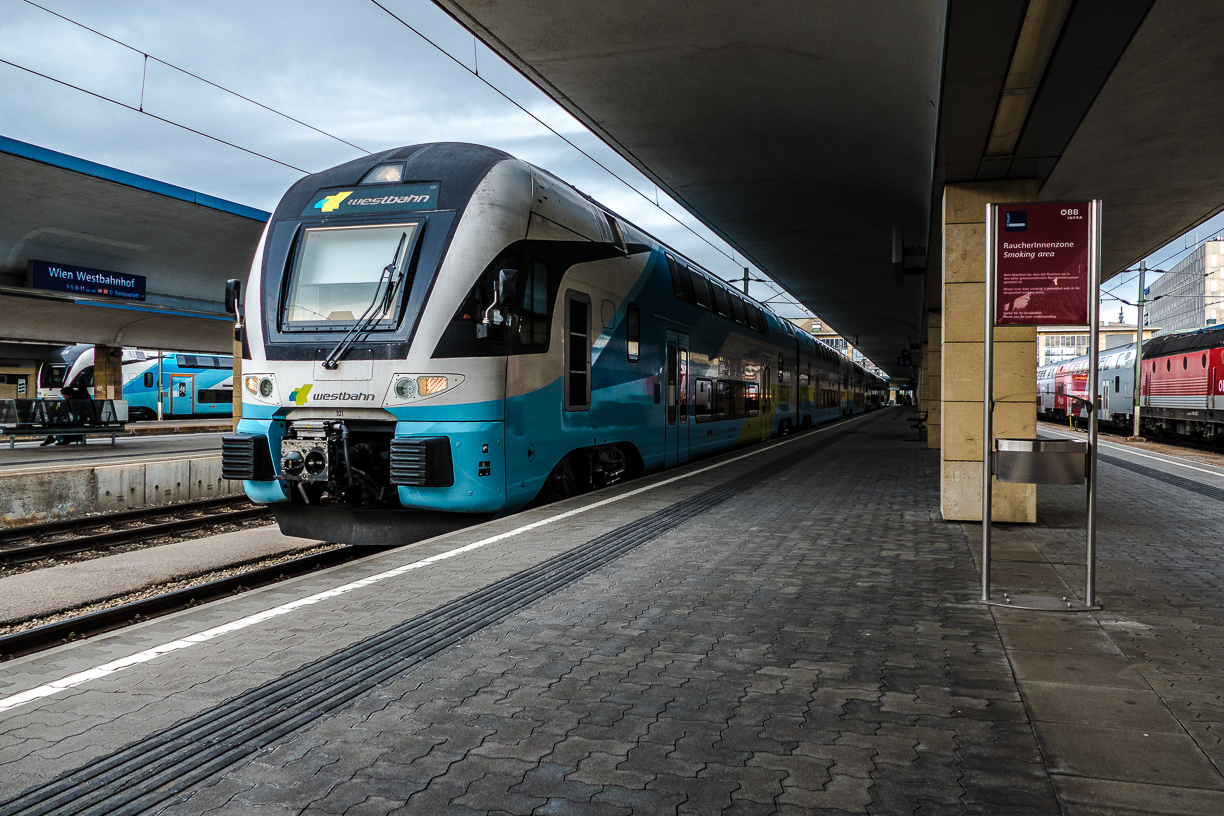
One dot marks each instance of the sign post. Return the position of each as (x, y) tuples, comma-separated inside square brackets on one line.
[(1043, 267)]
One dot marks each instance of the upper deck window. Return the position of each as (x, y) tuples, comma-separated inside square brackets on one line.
[(341, 274)]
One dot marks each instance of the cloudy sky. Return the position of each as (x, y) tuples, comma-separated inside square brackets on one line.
[(356, 78)]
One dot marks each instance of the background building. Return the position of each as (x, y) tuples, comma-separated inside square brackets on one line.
[(1058, 343), (1188, 296)]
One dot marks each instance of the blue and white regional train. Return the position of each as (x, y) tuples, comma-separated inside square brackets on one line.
[(443, 327), (192, 384)]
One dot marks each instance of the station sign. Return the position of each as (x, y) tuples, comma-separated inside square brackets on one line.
[(81, 280), (1041, 264)]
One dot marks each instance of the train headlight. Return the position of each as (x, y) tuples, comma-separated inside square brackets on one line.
[(405, 388), (431, 385), (252, 384), (265, 387)]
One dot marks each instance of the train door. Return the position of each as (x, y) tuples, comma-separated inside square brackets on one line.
[(765, 411), (676, 400), (182, 400)]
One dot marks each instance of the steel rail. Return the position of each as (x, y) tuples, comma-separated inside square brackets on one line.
[(44, 637), (14, 552)]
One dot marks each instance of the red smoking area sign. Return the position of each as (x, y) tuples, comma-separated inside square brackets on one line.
[(1041, 264)]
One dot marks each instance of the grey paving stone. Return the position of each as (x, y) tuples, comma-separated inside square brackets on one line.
[(1127, 755), (795, 649)]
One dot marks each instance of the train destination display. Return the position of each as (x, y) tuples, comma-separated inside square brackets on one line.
[(1041, 264)]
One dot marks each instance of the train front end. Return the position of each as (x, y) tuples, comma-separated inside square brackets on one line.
[(351, 429)]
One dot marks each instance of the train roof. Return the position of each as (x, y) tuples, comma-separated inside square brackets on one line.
[(1164, 344), (462, 166)]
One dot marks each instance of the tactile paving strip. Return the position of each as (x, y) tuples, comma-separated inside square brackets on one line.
[(143, 774), (1168, 478)]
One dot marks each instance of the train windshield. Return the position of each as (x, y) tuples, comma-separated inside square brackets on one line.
[(340, 273), (52, 376)]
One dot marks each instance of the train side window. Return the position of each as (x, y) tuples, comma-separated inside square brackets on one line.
[(752, 400), (633, 332), (737, 388), (751, 315), (533, 323), (720, 300), (721, 397), (675, 276), (1117, 387), (148, 379), (781, 366), (1168, 365), (686, 283), (577, 351), (1185, 363), (737, 310), (701, 289), (703, 400)]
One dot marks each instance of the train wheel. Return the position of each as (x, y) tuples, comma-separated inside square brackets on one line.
[(560, 484)]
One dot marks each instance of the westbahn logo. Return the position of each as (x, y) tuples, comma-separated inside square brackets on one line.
[(300, 394), (375, 199), (331, 203)]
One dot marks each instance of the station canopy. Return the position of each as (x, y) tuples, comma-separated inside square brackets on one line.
[(816, 137), (78, 215)]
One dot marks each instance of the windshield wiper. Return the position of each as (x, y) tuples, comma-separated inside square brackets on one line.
[(332, 361)]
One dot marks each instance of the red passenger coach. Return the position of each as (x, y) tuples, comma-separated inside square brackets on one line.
[(1071, 388), (1182, 386)]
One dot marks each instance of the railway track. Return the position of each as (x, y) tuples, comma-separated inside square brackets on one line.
[(38, 541), (96, 623)]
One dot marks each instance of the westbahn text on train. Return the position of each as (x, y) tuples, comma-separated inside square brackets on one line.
[(444, 327)]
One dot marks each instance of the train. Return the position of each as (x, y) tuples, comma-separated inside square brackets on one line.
[(444, 331), (1181, 386), (193, 385)]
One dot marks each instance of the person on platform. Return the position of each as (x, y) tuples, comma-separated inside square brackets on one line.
[(69, 393)]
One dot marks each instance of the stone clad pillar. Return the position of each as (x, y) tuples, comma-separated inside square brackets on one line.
[(108, 372), (237, 396), (932, 375), (963, 349)]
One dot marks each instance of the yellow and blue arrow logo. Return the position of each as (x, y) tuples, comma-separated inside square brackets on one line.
[(331, 203), (299, 394)]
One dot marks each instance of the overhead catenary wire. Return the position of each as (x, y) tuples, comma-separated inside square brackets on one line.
[(475, 72), (195, 76)]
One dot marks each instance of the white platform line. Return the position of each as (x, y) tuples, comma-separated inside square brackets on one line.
[(73, 680), (1166, 459)]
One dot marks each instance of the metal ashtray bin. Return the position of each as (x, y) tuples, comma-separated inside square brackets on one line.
[(1041, 461)]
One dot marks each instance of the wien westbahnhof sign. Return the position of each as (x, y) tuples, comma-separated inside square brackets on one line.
[(79, 279)]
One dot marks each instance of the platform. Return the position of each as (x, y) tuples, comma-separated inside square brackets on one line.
[(790, 628), (68, 481)]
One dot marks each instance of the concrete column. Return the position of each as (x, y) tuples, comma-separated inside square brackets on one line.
[(962, 352), (108, 372), (932, 376)]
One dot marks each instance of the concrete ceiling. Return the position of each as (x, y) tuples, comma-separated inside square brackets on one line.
[(805, 133), (70, 211)]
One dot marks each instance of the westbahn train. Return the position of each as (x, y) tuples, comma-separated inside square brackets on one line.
[(192, 384), (1181, 386), (443, 327)]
